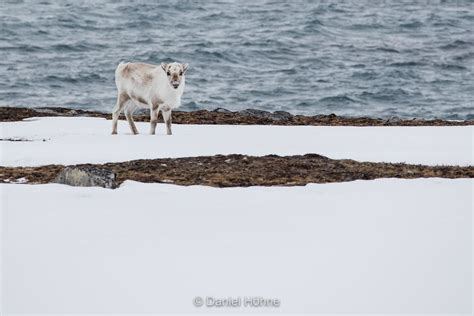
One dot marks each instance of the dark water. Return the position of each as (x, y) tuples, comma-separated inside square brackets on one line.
[(375, 58)]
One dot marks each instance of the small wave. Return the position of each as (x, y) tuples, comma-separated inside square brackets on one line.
[(411, 25), (455, 116), (407, 64), (58, 79), (446, 23), (456, 45), (401, 73), (387, 49), (364, 75), (139, 24), (469, 17), (143, 40), (450, 67), (467, 56), (192, 106), (336, 99), (385, 94), (23, 48), (76, 47), (214, 55), (82, 77), (323, 8), (440, 82), (314, 25), (218, 16), (305, 104), (365, 27), (287, 71)]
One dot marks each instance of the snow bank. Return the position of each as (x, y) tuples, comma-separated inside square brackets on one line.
[(80, 140), (398, 246)]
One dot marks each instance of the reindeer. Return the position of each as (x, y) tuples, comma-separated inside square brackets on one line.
[(158, 88)]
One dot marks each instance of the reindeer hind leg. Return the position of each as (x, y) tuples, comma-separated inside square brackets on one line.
[(130, 108), (122, 99)]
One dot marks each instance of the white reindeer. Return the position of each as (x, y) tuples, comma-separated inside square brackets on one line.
[(148, 86)]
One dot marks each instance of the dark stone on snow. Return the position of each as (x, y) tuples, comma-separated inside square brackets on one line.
[(87, 177)]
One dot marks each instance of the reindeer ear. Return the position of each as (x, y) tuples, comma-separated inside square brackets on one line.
[(185, 67), (163, 65)]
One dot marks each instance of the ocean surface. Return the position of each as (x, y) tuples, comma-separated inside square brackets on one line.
[(355, 58)]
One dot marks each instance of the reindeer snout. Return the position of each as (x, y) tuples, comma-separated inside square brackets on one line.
[(175, 84)]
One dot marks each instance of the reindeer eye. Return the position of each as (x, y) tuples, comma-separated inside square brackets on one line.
[(168, 73), (180, 73)]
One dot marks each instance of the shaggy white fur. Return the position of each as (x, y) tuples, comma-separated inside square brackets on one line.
[(148, 86)]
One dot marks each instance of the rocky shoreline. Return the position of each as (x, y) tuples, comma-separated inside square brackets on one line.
[(244, 171), (226, 117)]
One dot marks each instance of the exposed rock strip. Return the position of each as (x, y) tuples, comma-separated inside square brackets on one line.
[(242, 170), (223, 116)]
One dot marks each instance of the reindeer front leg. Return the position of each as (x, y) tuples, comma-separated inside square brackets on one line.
[(154, 111), (166, 111)]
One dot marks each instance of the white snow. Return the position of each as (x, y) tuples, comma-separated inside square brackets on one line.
[(81, 140), (382, 246)]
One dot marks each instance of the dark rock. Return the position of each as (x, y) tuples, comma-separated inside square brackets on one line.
[(87, 177), (257, 113), (392, 120), (276, 116), (316, 117), (221, 110), (281, 115), (48, 111)]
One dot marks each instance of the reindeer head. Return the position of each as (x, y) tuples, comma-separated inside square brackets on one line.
[(175, 73)]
